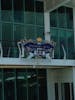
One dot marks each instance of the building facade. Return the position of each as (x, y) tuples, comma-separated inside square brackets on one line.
[(37, 78)]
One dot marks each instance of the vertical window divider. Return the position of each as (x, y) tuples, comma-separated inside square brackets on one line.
[(15, 74), (3, 85)]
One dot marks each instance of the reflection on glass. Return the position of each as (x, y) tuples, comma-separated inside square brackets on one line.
[(53, 18), (69, 18), (30, 32), (21, 84), (18, 32), (39, 19), (54, 37), (9, 86), (6, 15), (61, 20), (62, 41), (19, 16), (7, 37), (32, 85), (29, 17), (70, 44), (61, 17), (40, 32)]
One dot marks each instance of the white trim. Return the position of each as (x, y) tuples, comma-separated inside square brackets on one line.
[(74, 24), (61, 4)]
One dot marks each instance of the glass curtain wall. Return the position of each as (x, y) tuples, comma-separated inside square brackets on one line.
[(23, 84), (61, 22), (19, 19)]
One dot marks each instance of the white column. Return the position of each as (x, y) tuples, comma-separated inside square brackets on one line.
[(47, 25), (74, 81), (50, 85), (74, 24)]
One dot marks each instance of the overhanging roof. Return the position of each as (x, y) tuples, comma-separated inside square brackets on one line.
[(50, 5)]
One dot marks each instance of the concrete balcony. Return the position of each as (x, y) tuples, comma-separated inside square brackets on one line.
[(35, 63)]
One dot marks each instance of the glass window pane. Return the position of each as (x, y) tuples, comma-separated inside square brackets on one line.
[(29, 17), (32, 85), (30, 32), (70, 44), (6, 15), (53, 18), (29, 5), (61, 17), (54, 37), (9, 84), (42, 84), (21, 84), (62, 41), (6, 5), (19, 32), (40, 32), (69, 18), (39, 6), (18, 5), (7, 37), (19, 16), (39, 19)]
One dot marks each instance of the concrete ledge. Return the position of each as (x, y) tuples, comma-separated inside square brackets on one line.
[(18, 62)]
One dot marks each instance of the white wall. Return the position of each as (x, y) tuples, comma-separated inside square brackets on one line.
[(62, 75)]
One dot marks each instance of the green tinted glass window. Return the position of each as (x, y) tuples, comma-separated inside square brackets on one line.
[(39, 19), (30, 32), (29, 17), (40, 32), (6, 15), (7, 37), (9, 84), (19, 32), (61, 17), (53, 18), (69, 18), (70, 44), (54, 37)]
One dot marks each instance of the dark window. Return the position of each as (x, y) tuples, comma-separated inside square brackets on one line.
[(53, 18), (72, 91), (61, 17), (9, 84), (18, 4), (67, 91), (42, 84), (39, 6), (6, 4), (56, 91), (69, 17), (29, 5)]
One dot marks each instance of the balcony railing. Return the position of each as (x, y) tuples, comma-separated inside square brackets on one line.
[(13, 51)]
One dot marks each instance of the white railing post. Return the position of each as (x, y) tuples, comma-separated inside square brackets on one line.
[(1, 50)]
